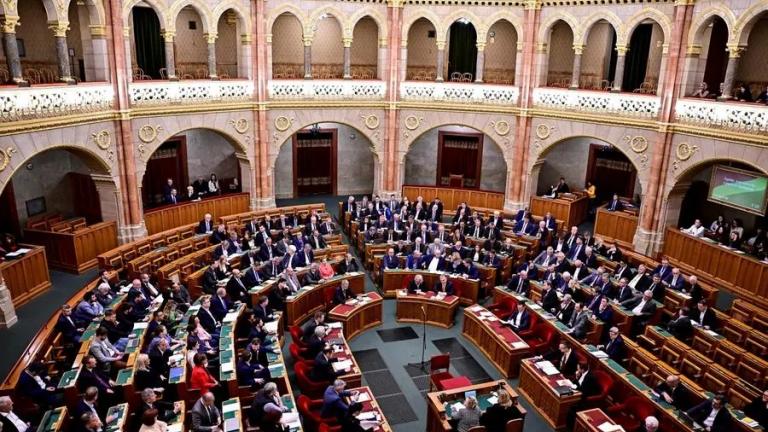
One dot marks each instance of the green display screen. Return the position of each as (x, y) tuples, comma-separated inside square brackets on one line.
[(739, 189)]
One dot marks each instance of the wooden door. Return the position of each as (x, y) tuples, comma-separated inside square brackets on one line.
[(314, 162), (168, 161), (85, 196), (611, 172), (459, 154)]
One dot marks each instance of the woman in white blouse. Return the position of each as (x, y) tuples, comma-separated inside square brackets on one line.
[(213, 184)]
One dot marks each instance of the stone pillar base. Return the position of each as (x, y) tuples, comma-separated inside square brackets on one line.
[(214, 78), (724, 98), (7, 312), (573, 87), (514, 206), (264, 203), (21, 82), (129, 233), (173, 78), (615, 90), (68, 81), (648, 242)]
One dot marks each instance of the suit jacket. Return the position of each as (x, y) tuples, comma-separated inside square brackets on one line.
[(567, 368), (648, 309), (590, 261), (624, 294), (549, 301), (266, 314), (675, 284), (710, 319), (658, 291), (664, 272), (8, 426), (515, 285), (390, 262), (624, 272), (159, 361), (440, 262), (323, 369), (679, 395), (68, 329), (347, 268), (412, 287), (340, 296), (576, 252), (316, 242), (588, 385), (565, 313), (204, 420), (439, 287), (296, 260), (523, 228), (93, 378), (722, 421), (204, 227), (680, 327), (251, 278), (615, 348), (237, 289), (208, 321), (615, 205), (579, 328), (525, 319), (220, 307), (758, 411), (414, 263), (264, 251), (333, 403)]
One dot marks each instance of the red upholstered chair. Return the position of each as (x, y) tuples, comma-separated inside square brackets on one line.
[(299, 354), (504, 307), (631, 412), (534, 321), (328, 293), (310, 411), (540, 338), (438, 370), (406, 281), (307, 385), (296, 334), (605, 382), (326, 428)]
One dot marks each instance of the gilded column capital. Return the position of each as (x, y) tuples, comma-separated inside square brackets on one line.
[(531, 4), (127, 32), (60, 28), (519, 46), (665, 48), (481, 46), (211, 37), (440, 44), (542, 48), (168, 35), (307, 40), (685, 2), (383, 42), (10, 23), (735, 51), (247, 38), (346, 42), (98, 31), (622, 49), (395, 3), (578, 49), (693, 50)]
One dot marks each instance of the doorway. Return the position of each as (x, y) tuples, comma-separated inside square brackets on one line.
[(314, 162), (150, 48), (611, 172), (9, 218), (637, 57), (462, 52), (168, 161), (459, 159)]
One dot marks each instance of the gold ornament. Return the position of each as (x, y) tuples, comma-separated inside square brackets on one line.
[(543, 131), (371, 121), (102, 139), (240, 125), (638, 144), (412, 122), (148, 133), (501, 127), (282, 123), (5, 157), (685, 151)]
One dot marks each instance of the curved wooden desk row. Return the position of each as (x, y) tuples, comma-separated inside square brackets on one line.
[(26, 277), (737, 271), (616, 226), (452, 197), (171, 216), (75, 251), (152, 261), (500, 344), (426, 306), (359, 315), (437, 417), (465, 289), (240, 219)]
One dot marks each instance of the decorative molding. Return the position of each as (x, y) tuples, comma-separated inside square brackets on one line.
[(10, 23), (684, 151), (5, 157), (745, 118), (638, 144), (189, 92), (148, 133), (41, 102), (413, 122), (282, 123), (543, 131), (59, 29), (326, 89), (102, 139), (501, 127), (241, 125), (371, 121), (486, 94), (593, 102)]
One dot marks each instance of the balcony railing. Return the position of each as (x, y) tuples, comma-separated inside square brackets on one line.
[(326, 89), (40, 102), (740, 117), (145, 93), (621, 104), (458, 92)]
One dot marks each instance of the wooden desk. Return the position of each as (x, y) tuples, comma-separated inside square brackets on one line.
[(231, 415), (119, 414), (371, 406), (312, 298), (739, 272), (26, 277), (75, 252), (571, 211), (53, 420), (437, 417), (540, 391), (171, 216), (439, 312), (502, 346), (360, 315), (616, 226), (452, 197), (395, 279), (590, 420), (354, 377), (228, 350)]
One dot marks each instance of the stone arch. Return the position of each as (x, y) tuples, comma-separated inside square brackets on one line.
[(56, 12), (549, 23), (314, 18), (201, 8), (159, 11), (480, 26), (380, 21), (219, 10), (625, 32), (507, 16), (418, 14), (746, 21), (702, 19), (593, 19), (288, 9), (96, 12)]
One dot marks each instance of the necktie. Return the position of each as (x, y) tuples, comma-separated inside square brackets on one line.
[(520, 286), (208, 413), (562, 361), (477, 232), (317, 243), (613, 205)]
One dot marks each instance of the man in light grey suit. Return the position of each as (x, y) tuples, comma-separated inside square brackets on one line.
[(578, 321), (107, 355), (205, 416)]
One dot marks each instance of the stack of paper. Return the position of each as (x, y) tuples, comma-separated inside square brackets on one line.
[(230, 407), (271, 327), (227, 367), (342, 365), (230, 317), (176, 427), (608, 427), (547, 367), (600, 354), (367, 415), (362, 397), (750, 422), (140, 325), (476, 308)]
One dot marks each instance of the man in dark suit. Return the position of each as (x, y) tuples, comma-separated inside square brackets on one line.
[(615, 346), (272, 270), (519, 319), (586, 382), (564, 359), (566, 309), (308, 329), (615, 204), (657, 288), (220, 304), (578, 321), (417, 284), (623, 270), (643, 307), (91, 376), (613, 253), (712, 414), (35, 385), (343, 293), (316, 240), (758, 409), (218, 235), (206, 225), (268, 250), (524, 227), (207, 320), (70, 331), (205, 416), (307, 256), (348, 265), (664, 270), (322, 370), (577, 251), (89, 403), (672, 391), (549, 299), (681, 327), (624, 292), (236, 289), (415, 261), (390, 260), (327, 227), (640, 281), (443, 286), (704, 315), (675, 280), (263, 311), (520, 283)]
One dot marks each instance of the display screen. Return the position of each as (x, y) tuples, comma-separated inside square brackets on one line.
[(739, 189)]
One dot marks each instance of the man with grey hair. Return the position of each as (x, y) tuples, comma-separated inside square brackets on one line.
[(651, 424), (149, 401), (336, 400), (205, 416), (8, 419), (91, 423)]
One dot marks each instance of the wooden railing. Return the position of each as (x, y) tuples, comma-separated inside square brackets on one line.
[(616, 226), (26, 277), (75, 251), (452, 197), (172, 216)]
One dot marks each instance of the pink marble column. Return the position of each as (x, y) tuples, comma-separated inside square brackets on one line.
[(396, 59), (264, 195)]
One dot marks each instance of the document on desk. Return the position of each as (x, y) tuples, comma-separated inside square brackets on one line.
[(230, 407), (176, 427), (362, 397), (232, 424), (271, 327), (547, 367), (230, 317), (608, 427), (337, 325), (342, 365), (227, 367)]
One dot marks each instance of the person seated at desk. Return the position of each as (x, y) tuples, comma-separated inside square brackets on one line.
[(180, 295), (643, 307), (348, 265), (601, 309), (587, 384), (316, 342), (208, 320), (549, 300), (164, 411), (104, 294), (434, 263), (313, 277), (308, 329), (524, 227), (159, 359), (640, 281), (615, 204), (224, 249), (89, 403), (307, 256), (205, 416), (733, 241), (576, 251), (150, 422), (696, 230), (657, 288), (566, 309), (322, 369), (680, 326), (91, 376), (390, 260), (417, 284), (343, 293), (456, 264), (519, 319), (336, 400), (675, 280), (88, 309), (496, 417), (291, 259), (672, 391), (564, 359), (578, 321), (66, 326), (519, 283), (106, 354), (712, 414), (615, 346), (443, 285), (35, 385), (206, 225), (88, 422), (267, 409), (326, 269), (468, 417), (559, 188), (263, 311), (758, 409), (704, 315), (145, 377), (316, 240), (220, 304), (251, 373), (208, 341), (289, 280), (470, 270), (218, 235), (236, 289)]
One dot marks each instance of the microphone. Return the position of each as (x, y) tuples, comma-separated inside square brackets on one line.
[(423, 311)]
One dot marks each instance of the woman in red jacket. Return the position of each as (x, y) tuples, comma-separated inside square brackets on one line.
[(201, 378)]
